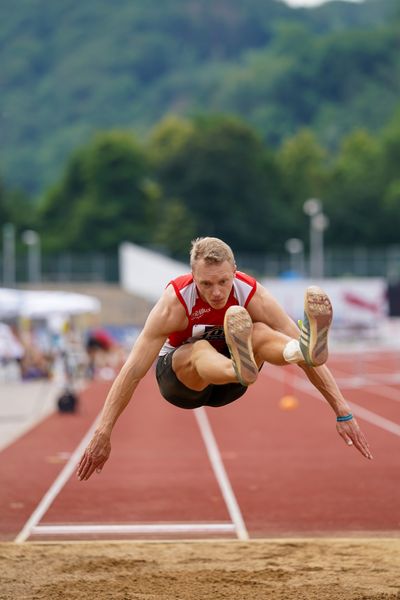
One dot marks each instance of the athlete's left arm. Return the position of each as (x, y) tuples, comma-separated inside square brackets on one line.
[(264, 308), (323, 380)]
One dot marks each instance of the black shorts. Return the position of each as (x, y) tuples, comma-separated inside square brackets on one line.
[(178, 394)]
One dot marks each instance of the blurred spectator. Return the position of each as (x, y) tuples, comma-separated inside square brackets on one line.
[(36, 364), (99, 347)]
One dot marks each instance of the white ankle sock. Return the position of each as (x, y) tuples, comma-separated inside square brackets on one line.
[(292, 352)]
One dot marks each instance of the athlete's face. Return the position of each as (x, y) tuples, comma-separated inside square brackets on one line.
[(214, 282)]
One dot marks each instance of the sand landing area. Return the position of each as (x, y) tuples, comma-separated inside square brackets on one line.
[(309, 569)]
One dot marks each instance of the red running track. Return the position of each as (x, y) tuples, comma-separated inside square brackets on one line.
[(249, 469)]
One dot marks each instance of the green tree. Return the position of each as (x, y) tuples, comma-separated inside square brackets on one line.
[(302, 165), (167, 140), (391, 146), (391, 199), (226, 179), (175, 229), (355, 193), (4, 212), (102, 199), (16, 208), (330, 68)]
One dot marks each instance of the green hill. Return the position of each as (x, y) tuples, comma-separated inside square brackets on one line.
[(71, 68)]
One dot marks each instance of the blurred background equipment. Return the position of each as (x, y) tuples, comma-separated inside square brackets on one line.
[(318, 223), (295, 247), (32, 241), (8, 254), (288, 402), (67, 402)]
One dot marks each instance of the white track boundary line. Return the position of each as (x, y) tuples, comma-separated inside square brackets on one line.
[(371, 379), (385, 390), (358, 410), (148, 528), (55, 488), (237, 525), (220, 473)]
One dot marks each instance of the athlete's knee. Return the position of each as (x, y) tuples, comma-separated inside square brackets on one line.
[(201, 346), (261, 334)]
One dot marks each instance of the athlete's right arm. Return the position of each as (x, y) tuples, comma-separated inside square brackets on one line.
[(168, 315)]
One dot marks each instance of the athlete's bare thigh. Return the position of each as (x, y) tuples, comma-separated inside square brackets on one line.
[(184, 367)]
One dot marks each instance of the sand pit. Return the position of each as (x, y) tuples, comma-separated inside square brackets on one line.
[(311, 569)]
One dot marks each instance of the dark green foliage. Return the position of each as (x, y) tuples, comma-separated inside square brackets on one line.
[(224, 175), (355, 192), (213, 175), (16, 208), (244, 110), (72, 68), (102, 199)]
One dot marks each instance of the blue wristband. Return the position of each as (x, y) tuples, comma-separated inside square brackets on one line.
[(345, 418)]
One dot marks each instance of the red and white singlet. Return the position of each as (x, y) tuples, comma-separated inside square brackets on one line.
[(205, 322)]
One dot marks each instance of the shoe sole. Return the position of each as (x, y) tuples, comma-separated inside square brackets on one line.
[(238, 328), (317, 321)]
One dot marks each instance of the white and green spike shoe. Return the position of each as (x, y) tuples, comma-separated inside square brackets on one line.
[(315, 326)]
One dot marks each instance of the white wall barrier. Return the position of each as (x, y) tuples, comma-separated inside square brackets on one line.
[(145, 272), (356, 301)]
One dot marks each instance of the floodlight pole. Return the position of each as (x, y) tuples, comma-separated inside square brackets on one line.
[(32, 240), (295, 248), (318, 223), (9, 278)]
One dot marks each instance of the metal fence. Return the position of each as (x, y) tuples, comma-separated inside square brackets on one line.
[(346, 262), (67, 267), (99, 267)]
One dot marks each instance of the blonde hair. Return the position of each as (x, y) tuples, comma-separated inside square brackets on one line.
[(212, 250)]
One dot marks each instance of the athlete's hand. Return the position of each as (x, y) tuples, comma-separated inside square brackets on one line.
[(353, 436), (95, 456)]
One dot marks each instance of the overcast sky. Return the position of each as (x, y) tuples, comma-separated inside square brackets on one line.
[(311, 2)]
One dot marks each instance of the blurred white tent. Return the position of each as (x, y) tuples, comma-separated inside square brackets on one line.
[(9, 303), (44, 304), (10, 346)]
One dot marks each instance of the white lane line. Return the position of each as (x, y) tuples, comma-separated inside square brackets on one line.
[(56, 487), (371, 381), (220, 473), (147, 528), (358, 410), (368, 379), (375, 419)]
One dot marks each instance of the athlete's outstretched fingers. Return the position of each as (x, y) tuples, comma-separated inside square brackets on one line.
[(87, 466), (362, 445), (95, 456), (352, 435), (84, 466)]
